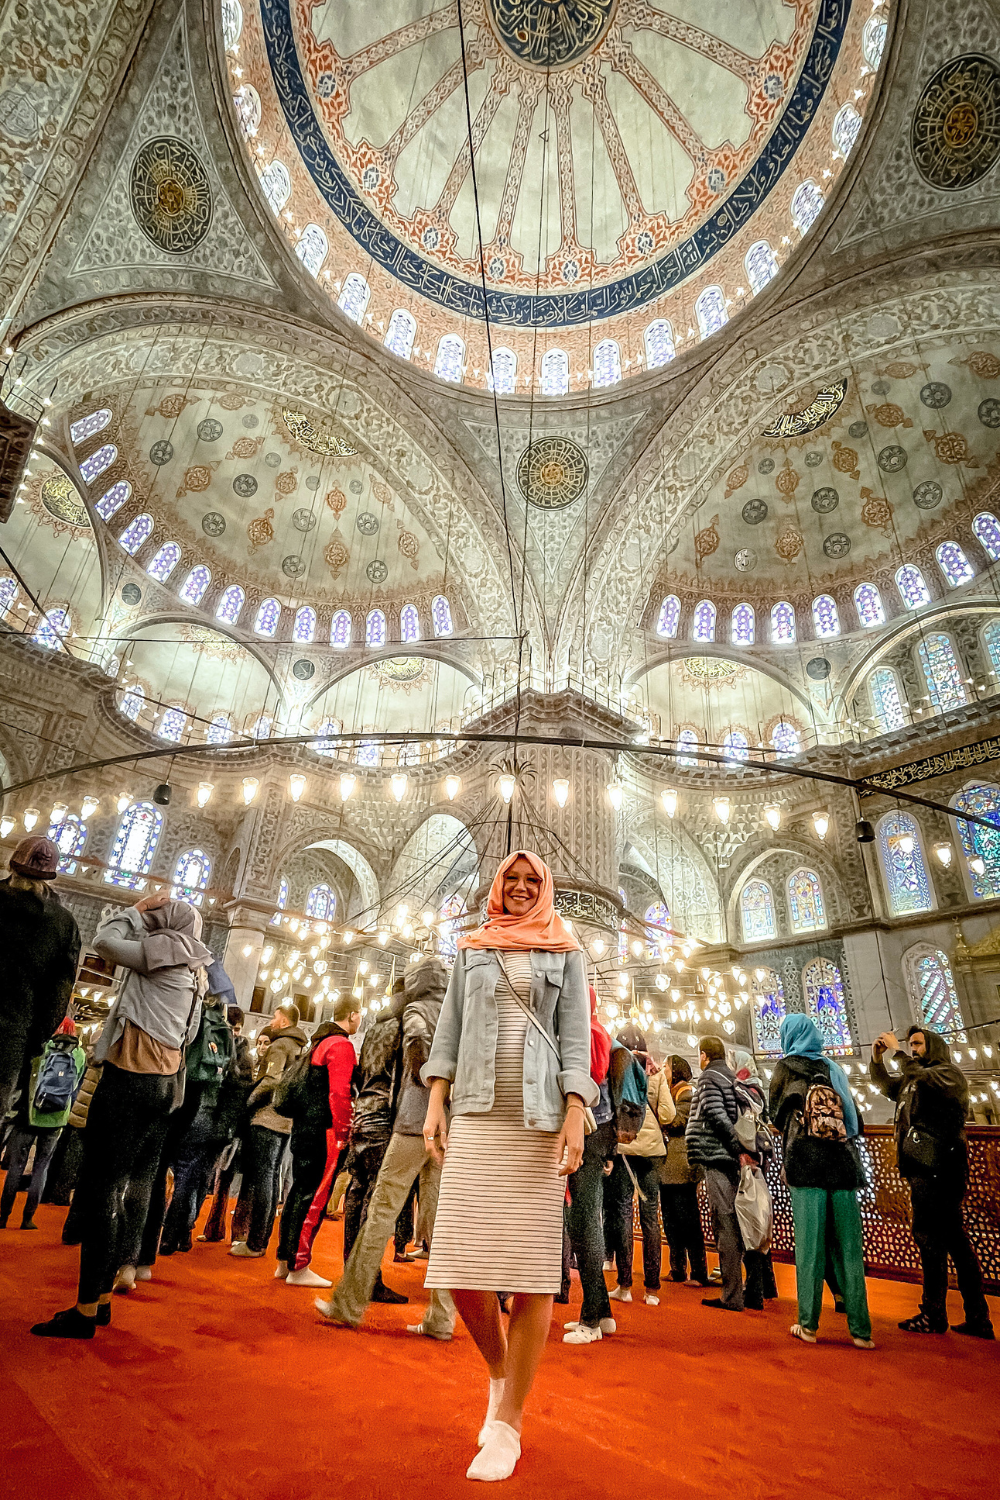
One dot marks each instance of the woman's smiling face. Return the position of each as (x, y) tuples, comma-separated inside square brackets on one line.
[(520, 888)]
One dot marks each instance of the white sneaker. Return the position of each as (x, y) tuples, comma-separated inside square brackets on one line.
[(606, 1325), (621, 1294), (306, 1277), (651, 1299), (582, 1335), (281, 1270)]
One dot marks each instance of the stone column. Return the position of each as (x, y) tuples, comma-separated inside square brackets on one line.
[(243, 949)]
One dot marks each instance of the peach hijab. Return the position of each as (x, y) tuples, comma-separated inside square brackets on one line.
[(541, 927)]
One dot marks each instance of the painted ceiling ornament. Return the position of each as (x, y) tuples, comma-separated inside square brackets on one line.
[(337, 501), (899, 370), (260, 531), (408, 545), (213, 523), (293, 566), (745, 560), (196, 479), (955, 133), (210, 430), (303, 519), (736, 479), (376, 571), (820, 409), (789, 544), (233, 400), (876, 512), (336, 556), (213, 645), (928, 494), (787, 482), (983, 364), (845, 460), (286, 482), (889, 415), (170, 195), (953, 447), (825, 499), (245, 485), (552, 472), (707, 541), (383, 494), (989, 412), (754, 512), (836, 545), (401, 669), (710, 671), (244, 447), (61, 499), (317, 439), (549, 34), (171, 406)]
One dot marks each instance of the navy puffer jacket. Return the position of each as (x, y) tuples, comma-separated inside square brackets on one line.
[(711, 1135)]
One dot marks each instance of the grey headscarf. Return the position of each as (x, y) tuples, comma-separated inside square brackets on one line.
[(173, 936)]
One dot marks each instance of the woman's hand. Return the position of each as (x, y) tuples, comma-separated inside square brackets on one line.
[(436, 1121), (570, 1143)]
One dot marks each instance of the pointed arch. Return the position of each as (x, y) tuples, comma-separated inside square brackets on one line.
[(806, 910), (757, 911), (823, 989), (930, 986), (904, 868)]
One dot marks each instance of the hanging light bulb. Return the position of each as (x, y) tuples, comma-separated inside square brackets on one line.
[(383, 936), (906, 843), (821, 822), (560, 791), (347, 785), (637, 947), (247, 950), (296, 785), (250, 785), (615, 795), (773, 815), (507, 783), (452, 787), (30, 817), (943, 852), (363, 966), (205, 790), (89, 807), (758, 974), (58, 813), (669, 800), (599, 946), (6, 825), (124, 800), (348, 938), (722, 808), (661, 981), (976, 864), (399, 782)]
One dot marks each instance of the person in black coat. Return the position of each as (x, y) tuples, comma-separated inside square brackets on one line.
[(40, 942), (931, 1097), (712, 1143)]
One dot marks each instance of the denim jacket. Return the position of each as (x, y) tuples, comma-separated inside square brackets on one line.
[(465, 1041)]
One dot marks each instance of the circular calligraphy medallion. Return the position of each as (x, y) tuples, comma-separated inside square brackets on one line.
[(170, 195), (549, 34), (955, 134), (213, 523), (376, 571), (552, 472), (825, 499)]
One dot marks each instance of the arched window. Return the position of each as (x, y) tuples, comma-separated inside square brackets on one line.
[(980, 843), (991, 640), (824, 993), (321, 903), (232, 22), (165, 561), (53, 628), (757, 911), (768, 1012), (826, 617), (400, 334), (743, 627), (409, 623), (113, 499), (687, 737), (328, 746), (873, 40), (441, 615), (282, 900), (933, 996), (173, 722), (340, 628), (231, 604), (710, 310), (130, 702), (277, 185), (845, 129), (353, 299), (135, 534), (503, 373), (98, 462), (312, 248), (868, 603), (805, 901), (785, 740), (887, 706), (659, 343), (304, 630), (912, 589), (8, 593), (954, 564), (192, 590), (761, 265), (260, 729), (703, 624), (87, 427), (375, 628), (607, 363), (268, 616), (987, 530), (670, 613), (658, 932), (782, 623), (807, 204), (450, 355), (450, 913), (903, 863), (134, 846), (941, 671), (555, 372), (736, 744), (191, 877), (69, 837), (220, 731), (247, 102)]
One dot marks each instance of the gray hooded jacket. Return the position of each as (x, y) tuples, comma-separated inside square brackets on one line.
[(426, 982)]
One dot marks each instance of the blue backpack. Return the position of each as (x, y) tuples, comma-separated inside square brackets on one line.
[(57, 1082), (633, 1100)]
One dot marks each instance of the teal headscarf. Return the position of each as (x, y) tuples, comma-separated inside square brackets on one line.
[(800, 1038)]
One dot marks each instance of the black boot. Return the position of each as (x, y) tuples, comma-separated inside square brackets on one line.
[(70, 1324)]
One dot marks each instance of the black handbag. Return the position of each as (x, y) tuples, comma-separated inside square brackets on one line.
[(922, 1154)]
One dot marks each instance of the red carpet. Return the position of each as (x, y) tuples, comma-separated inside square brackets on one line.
[(216, 1381)]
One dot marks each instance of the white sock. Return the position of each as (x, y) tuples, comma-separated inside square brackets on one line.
[(498, 1456), (492, 1407)]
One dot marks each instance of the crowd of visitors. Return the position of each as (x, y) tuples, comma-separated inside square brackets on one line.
[(488, 1119)]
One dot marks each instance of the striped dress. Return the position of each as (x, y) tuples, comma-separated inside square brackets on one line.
[(499, 1217)]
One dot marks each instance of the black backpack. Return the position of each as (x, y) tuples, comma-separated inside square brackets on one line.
[(302, 1091), (213, 1048)]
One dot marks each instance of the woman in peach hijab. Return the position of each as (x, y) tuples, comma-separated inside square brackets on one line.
[(513, 1048)]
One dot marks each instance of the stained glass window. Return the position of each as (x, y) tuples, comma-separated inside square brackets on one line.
[(277, 185), (268, 616), (134, 846), (282, 900), (912, 589), (113, 499), (220, 731), (824, 992), (503, 374), (982, 798), (710, 310), (659, 343), (991, 640), (87, 426), (807, 204), (782, 622), (135, 534), (703, 627), (321, 903), (53, 628), (736, 744), (658, 927), (441, 615), (191, 877), (247, 102), (328, 746), (450, 354), (555, 372), (409, 623), (172, 724), (887, 706), (260, 729), (368, 753), (231, 604), (785, 739), (165, 561), (768, 1012), (757, 911), (805, 901), (761, 265), (987, 530), (743, 626), (8, 593), (304, 630), (353, 299), (845, 129), (69, 837), (375, 628), (400, 334), (903, 862), (670, 613), (450, 913), (868, 603), (340, 628), (687, 737), (954, 564), (98, 462), (826, 617), (130, 702), (232, 22), (312, 248), (192, 590), (873, 40), (607, 363), (941, 672), (932, 992)]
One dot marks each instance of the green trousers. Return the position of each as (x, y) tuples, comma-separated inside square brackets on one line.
[(827, 1218)]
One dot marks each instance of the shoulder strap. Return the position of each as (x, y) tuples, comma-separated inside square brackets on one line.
[(527, 1010)]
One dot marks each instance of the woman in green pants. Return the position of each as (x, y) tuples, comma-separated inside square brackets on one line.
[(810, 1102)]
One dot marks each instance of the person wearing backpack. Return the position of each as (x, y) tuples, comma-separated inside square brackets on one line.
[(760, 1283), (636, 1169), (712, 1143), (679, 1180), (44, 1109), (810, 1103), (585, 1188), (267, 1137)]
